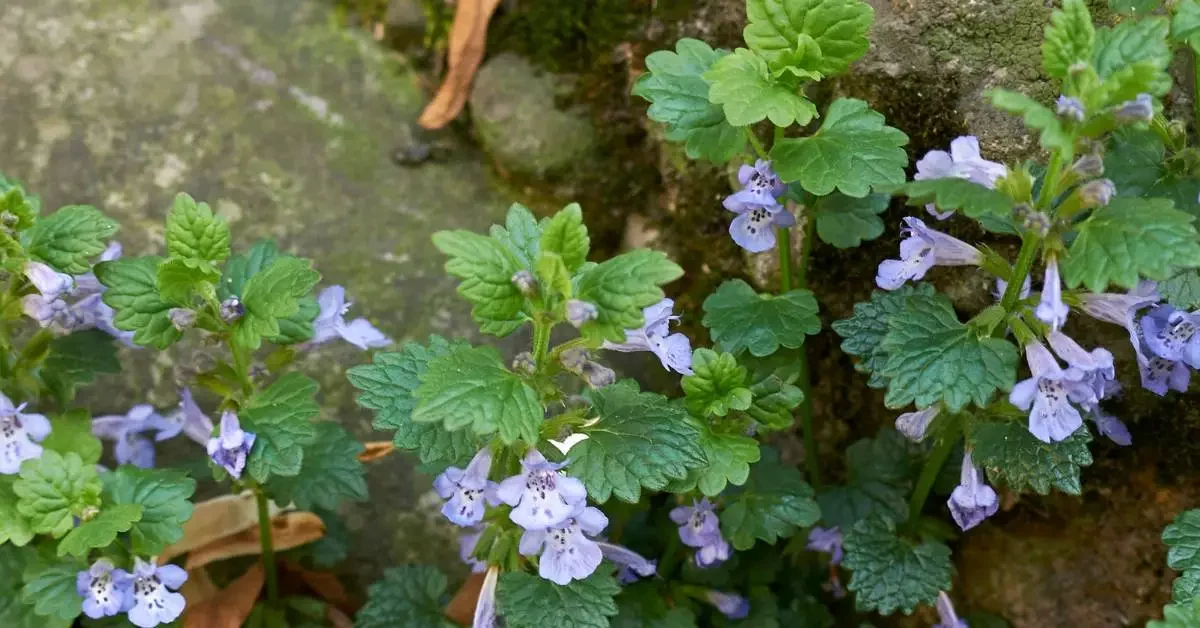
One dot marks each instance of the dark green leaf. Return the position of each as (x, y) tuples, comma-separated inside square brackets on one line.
[(1182, 290), (846, 222), (406, 596), (281, 419), (1014, 457), (739, 318), (331, 472), (954, 194), (528, 601), (79, 356), (1132, 57), (272, 295), (133, 295), (862, 334), (50, 588), (14, 613), (1128, 239), (486, 267), (244, 266), (772, 386), (891, 573), (163, 495), (1185, 23), (70, 237), (298, 327), (774, 503)]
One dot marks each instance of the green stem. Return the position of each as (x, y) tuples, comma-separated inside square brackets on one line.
[(669, 557), (1196, 88), (1012, 292), (928, 475), (541, 342), (811, 461), (1050, 181), (754, 141), (268, 547)]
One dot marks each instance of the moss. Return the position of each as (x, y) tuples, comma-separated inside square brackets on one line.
[(566, 36)]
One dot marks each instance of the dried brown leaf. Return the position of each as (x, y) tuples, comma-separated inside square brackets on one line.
[(468, 40), (375, 450), (288, 530), (231, 607), (462, 608), (214, 519)]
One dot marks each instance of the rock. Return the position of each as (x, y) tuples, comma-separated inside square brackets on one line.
[(518, 123), (406, 15)]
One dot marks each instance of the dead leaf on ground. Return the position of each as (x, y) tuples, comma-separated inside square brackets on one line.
[(231, 607), (462, 608), (214, 519), (326, 585), (468, 40), (288, 530), (375, 450), (199, 587), (338, 619)]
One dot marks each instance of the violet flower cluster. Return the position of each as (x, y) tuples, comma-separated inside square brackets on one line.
[(66, 304), (20, 433), (130, 432), (757, 207), (700, 528), (963, 162), (673, 350), (331, 323), (148, 596)]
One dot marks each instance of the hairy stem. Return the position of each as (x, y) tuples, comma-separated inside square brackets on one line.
[(1050, 181), (929, 474), (811, 462), (755, 142), (541, 342), (1196, 87), (1029, 249), (268, 547)]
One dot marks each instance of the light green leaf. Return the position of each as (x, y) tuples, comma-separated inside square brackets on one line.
[(1182, 290), (717, 144), (1135, 7), (273, 294), (243, 266), (1036, 116), (553, 278), (162, 494), (862, 334), (529, 601), (846, 222), (566, 235), (331, 472), (729, 459), (1128, 239), (954, 194), (281, 419), (716, 386), (621, 288), (100, 531), (520, 233), (70, 237), (194, 233), (891, 573), (774, 503), (486, 267), (14, 527), (933, 357), (739, 318), (1132, 56), (837, 27), (852, 151), (748, 92), (54, 489), (21, 207), (406, 596), (772, 386), (387, 386), (71, 432), (298, 327), (1070, 38), (640, 440), (50, 588), (1185, 23), (1178, 616), (1014, 457), (469, 387), (178, 279), (133, 294)]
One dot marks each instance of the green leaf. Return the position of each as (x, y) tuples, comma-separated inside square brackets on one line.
[(739, 318), (244, 266), (675, 86), (50, 588), (716, 385), (281, 419), (891, 573), (1132, 57), (54, 489), (853, 151), (78, 357), (566, 235), (772, 385), (194, 233), (1036, 116), (520, 233), (846, 222), (933, 357), (639, 440), (14, 528), (1178, 616), (387, 386), (271, 295), (1128, 239), (406, 596), (331, 472), (729, 458), (553, 277), (621, 288), (298, 327), (14, 613), (1182, 539), (1185, 588), (862, 334), (1014, 457), (1070, 38), (14, 201), (71, 432), (1182, 290), (877, 484), (178, 279), (70, 237), (775, 502), (837, 27), (100, 531), (642, 605), (486, 267), (133, 295), (954, 194), (1136, 7), (748, 92), (163, 495), (469, 387), (1185, 23), (529, 601)]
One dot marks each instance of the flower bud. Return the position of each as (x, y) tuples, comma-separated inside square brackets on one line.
[(1068, 107), (524, 363), (1038, 223), (597, 375), (232, 309), (1097, 193), (574, 360), (525, 282), (1021, 211), (1089, 166), (580, 312), (182, 318), (8, 219), (1139, 109)]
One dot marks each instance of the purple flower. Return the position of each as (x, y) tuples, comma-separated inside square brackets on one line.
[(1097, 366), (946, 615), (1171, 334), (760, 187), (673, 350), (1097, 192), (154, 599), (188, 419), (827, 540), (1051, 310), (50, 283), (1121, 309), (20, 434), (964, 162), (1069, 107), (104, 589), (331, 322), (913, 424), (128, 432), (466, 550), (922, 249), (754, 227), (230, 448), (1138, 109), (972, 500), (1160, 375), (466, 490), (633, 565), (1112, 427), (541, 496), (1049, 391), (485, 607), (566, 551), (731, 605), (700, 528)]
